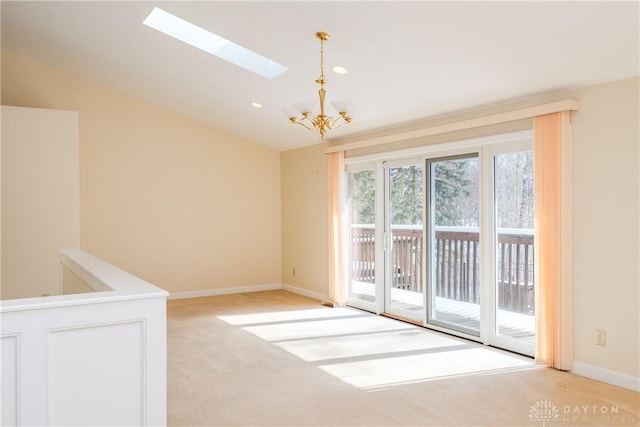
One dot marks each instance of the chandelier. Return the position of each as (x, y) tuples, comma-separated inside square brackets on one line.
[(320, 122)]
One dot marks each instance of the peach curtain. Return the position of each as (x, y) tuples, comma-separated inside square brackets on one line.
[(337, 281), (554, 346)]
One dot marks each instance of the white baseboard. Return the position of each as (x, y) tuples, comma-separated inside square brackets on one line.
[(243, 289), (607, 376), (305, 292), (224, 291)]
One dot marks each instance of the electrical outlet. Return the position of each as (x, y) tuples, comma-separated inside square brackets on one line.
[(601, 337)]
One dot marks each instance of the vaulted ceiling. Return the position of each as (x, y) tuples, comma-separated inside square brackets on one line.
[(406, 60)]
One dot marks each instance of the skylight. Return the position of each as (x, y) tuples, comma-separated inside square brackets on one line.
[(212, 43)]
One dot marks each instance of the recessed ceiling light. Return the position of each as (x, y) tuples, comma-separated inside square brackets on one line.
[(340, 70), (256, 105), (212, 43)]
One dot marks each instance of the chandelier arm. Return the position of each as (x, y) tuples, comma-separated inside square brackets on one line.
[(317, 121), (296, 122), (331, 124)]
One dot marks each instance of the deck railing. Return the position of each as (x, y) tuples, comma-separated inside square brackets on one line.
[(457, 263)]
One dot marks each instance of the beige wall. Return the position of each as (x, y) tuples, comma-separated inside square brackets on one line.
[(175, 202), (40, 198), (605, 225), (305, 244), (605, 220), (72, 283)]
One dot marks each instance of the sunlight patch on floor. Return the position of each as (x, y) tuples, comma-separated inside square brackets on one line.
[(369, 345), (372, 352), (393, 370), (283, 316), (338, 326)]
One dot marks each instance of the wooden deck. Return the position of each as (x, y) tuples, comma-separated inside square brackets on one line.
[(511, 324)]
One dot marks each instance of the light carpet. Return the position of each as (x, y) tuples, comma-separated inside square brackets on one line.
[(278, 359)]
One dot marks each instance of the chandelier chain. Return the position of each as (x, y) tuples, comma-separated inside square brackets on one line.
[(322, 60)]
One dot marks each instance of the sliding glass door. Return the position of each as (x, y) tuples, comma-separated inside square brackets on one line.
[(404, 295), (361, 204), (446, 240), (512, 238), (453, 266)]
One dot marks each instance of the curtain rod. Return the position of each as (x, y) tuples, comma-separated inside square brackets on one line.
[(508, 116)]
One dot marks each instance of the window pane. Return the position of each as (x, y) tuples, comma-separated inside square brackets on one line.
[(406, 204), (514, 245), (455, 257), (361, 202)]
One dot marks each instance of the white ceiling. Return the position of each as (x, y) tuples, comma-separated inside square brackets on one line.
[(407, 60)]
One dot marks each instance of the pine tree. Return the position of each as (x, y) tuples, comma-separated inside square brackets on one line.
[(362, 197), (406, 193), (456, 192)]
